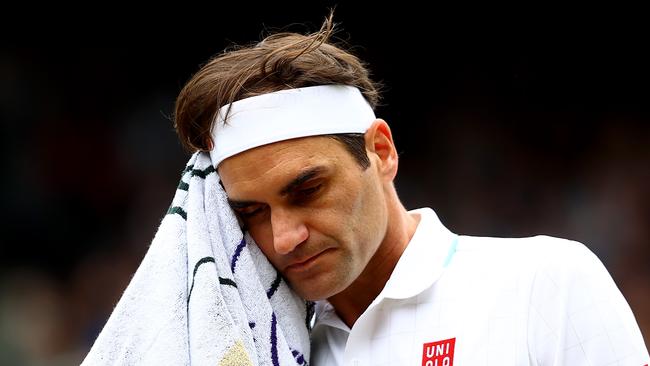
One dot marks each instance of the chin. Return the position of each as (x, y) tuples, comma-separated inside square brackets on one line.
[(312, 295), (318, 285), (315, 293)]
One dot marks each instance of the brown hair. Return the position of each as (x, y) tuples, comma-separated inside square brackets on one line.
[(280, 61)]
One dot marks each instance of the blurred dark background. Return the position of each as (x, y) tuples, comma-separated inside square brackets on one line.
[(510, 122)]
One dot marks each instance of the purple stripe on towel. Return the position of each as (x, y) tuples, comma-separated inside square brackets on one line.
[(274, 285), (300, 358), (235, 256), (274, 342)]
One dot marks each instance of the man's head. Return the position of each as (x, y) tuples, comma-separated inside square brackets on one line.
[(317, 206)]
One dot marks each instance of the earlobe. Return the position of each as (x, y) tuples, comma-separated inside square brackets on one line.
[(379, 140)]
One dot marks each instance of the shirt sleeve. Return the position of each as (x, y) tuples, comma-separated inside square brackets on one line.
[(577, 315)]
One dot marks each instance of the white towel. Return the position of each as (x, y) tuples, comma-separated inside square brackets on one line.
[(204, 293)]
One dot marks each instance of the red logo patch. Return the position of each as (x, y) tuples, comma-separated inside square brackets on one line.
[(439, 353)]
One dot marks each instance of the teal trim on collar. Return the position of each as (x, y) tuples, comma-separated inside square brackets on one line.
[(452, 251)]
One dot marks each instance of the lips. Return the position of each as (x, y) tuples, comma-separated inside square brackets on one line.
[(304, 263)]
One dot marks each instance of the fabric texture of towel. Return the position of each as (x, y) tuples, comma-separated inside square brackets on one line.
[(204, 293)]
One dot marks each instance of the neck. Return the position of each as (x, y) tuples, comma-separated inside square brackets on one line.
[(354, 300)]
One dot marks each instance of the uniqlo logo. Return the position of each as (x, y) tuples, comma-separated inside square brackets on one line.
[(439, 353)]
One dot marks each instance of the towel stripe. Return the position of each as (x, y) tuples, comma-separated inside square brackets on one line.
[(203, 173), (196, 268), (187, 169), (177, 210), (300, 358), (274, 285), (198, 172), (235, 256), (274, 341), (227, 281), (183, 186)]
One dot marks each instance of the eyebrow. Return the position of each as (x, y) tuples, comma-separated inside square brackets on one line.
[(295, 183)]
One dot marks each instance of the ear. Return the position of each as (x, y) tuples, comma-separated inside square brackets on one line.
[(379, 141)]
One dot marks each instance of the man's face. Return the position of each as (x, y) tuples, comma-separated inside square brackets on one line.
[(311, 208)]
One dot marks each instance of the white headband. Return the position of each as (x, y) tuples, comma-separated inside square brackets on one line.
[(288, 114)]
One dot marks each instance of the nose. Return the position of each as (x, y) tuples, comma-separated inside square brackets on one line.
[(289, 231)]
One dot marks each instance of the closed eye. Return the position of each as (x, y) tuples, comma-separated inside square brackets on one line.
[(310, 190), (250, 211), (305, 194)]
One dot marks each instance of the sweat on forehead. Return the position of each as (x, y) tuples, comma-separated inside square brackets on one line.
[(288, 114)]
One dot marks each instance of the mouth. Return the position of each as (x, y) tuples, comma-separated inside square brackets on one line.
[(305, 264)]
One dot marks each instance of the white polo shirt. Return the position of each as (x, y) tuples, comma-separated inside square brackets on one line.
[(467, 301)]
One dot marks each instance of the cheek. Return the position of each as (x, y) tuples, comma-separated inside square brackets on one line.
[(372, 212), (341, 208)]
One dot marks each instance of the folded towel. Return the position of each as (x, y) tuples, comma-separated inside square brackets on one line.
[(204, 293)]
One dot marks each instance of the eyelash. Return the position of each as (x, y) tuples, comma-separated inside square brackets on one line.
[(252, 213), (310, 191), (300, 196)]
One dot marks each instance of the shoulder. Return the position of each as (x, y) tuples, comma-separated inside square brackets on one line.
[(565, 271), (533, 252), (541, 262)]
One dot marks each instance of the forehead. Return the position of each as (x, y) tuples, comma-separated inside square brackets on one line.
[(279, 162)]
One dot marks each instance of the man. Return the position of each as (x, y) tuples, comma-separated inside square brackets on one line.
[(309, 171)]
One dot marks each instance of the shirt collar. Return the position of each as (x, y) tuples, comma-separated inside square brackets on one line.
[(326, 315), (423, 260), (421, 264)]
